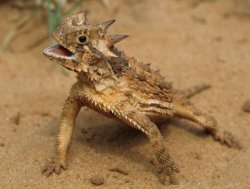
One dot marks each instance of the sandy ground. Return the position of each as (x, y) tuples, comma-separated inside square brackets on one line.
[(190, 43)]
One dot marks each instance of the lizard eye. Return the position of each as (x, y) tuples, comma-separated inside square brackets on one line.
[(82, 39)]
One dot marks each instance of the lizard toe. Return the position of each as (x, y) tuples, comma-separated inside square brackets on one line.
[(54, 167), (228, 139), (168, 170)]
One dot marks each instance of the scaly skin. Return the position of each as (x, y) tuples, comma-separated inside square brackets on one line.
[(122, 88)]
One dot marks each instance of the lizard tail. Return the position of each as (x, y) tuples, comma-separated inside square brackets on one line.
[(190, 92)]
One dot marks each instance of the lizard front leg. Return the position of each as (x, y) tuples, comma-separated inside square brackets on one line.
[(69, 113)]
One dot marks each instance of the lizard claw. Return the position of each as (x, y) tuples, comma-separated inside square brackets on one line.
[(224, 137), (168, 170), (227, 138), (54, 166)]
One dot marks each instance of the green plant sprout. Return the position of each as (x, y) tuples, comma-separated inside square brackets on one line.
[(55, 10)]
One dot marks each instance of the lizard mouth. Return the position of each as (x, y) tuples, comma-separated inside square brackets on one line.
[(59, 52)]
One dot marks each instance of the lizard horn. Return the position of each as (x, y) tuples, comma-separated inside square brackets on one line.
[(113, 39), (76, 20), (79, 19), (105, 25), (85, 17)]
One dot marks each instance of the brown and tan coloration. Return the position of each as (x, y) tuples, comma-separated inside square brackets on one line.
[(119, 87)]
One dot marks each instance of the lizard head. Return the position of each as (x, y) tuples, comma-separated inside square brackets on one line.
[(77, 40)]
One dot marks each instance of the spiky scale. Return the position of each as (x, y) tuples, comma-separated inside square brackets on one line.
[(105, 25), (113, 39)]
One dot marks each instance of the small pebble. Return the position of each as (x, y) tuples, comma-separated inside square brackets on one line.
[(97, 180), (197, 155), (246, 106), (2, 144), (153, 161), (16, 118)]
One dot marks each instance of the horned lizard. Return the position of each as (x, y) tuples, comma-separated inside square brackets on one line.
[(120, 87)]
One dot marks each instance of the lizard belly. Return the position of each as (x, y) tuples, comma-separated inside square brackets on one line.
[(105, 103), (109, 101)]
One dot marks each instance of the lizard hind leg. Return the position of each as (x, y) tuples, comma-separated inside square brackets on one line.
[(184, 109), (166, 167)]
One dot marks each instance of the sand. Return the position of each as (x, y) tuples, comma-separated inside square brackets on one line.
[(190, 42)]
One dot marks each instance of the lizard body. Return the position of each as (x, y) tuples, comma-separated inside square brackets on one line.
[(120, 87)]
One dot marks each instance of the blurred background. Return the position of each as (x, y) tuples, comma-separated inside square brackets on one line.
[(190, 41)]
